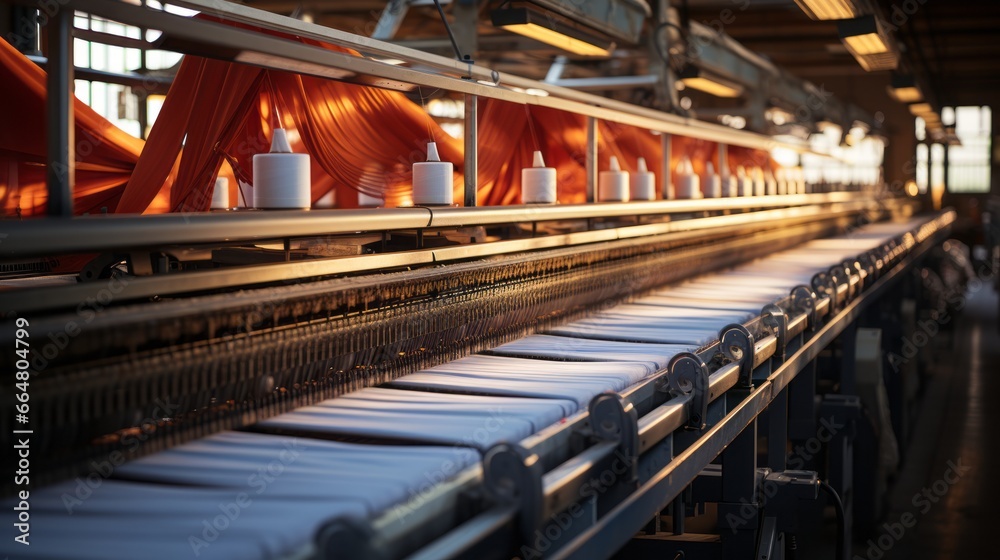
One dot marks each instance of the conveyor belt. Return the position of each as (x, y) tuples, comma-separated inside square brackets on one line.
[(419, 430)]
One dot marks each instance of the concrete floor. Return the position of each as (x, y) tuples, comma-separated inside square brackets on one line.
[(944, 504)]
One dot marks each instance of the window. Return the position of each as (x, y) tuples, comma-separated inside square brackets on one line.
[(118, 103), (969, 164)]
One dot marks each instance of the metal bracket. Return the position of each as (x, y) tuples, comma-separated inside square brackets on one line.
[(737, 344), (614, 419), (513, 476), (856, 268), (345, 538), (844, 271), (867, 263), (804, 301), (775, 317), (824, 283), (689, 376), (781, 494)]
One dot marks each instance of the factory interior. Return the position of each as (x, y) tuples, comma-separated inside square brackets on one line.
[(499, 279)]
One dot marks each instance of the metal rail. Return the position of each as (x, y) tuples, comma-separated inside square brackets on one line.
[(162, 285), (34, 238)]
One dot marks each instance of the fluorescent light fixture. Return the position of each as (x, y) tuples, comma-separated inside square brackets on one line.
[(863, 35), (870, 45), (878, 62), (550, 29), (695, 78), (903, 88), (921, 108), (290, 65), (829, 9)]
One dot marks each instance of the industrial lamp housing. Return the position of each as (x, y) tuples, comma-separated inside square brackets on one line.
[(918, 109), (829, 9), (869, 43), (695, 78), (551, 30), (903, 88)]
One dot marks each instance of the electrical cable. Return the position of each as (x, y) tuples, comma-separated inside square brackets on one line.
[(841, 523), (451, 35)]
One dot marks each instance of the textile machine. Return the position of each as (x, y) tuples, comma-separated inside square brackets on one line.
[(571, 380)]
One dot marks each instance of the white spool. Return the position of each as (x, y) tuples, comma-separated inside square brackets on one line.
[(281, 179), (613, 184), (433, 180), (688, 185), (782, 178), (711, 184), (800, 181), (538, 183), (744, 183), (770, 184), (220, 194), (642, 182), (730, 185), (759, 187)]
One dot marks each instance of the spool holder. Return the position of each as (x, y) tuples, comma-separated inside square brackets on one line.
[(616, 420), (512, 476), (775, 318), (804, 301), (737, 344), (688, 375)]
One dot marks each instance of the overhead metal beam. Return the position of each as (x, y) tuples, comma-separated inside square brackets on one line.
[(390, 19), (148, 83), (606, 82)]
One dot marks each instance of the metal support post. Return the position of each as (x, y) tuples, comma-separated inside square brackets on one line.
[(723, 169), (666, 181), (591, 159), (739, 485), (59, 108), (471, 150), (848, 351), (777, 431), (838, 419)]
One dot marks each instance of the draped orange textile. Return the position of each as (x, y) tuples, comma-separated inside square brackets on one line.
[(218, 114), (106, 155), (361, 139)]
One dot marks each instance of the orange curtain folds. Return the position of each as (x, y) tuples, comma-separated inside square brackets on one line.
[(106, 155), (750, 158), (360, 138)]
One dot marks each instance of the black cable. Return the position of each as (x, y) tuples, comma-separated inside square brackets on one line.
[(656, 43), (451, 36), (841, 524)]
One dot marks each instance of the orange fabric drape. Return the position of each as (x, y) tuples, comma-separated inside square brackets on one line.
[(224, 111), (219, 114), (106, 155)]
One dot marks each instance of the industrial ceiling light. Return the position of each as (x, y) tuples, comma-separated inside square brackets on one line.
[(903, 88), (870, 44), (549, 29), (918, 109), (863, 35), (829, 9), (695, 78)]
